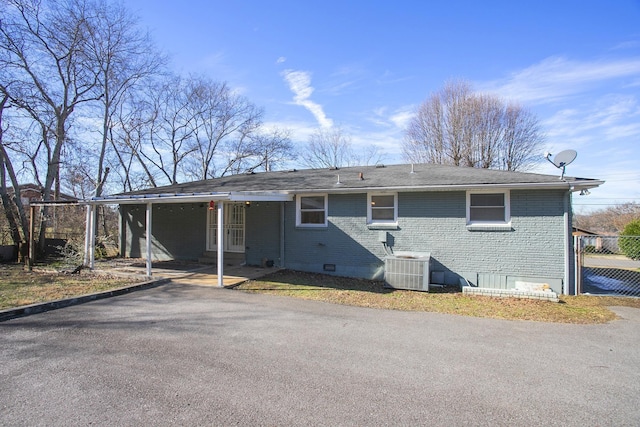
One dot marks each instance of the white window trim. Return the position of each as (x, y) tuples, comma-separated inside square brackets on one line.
[(299, 214), (370, 219), (507, 209)]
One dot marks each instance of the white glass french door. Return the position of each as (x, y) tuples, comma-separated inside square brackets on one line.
[(233, 228)]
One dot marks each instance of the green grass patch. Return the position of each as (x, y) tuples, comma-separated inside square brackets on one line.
[(367, 293)]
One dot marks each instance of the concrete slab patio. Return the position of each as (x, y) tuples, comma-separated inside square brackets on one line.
[(184, 272), (198, 355)]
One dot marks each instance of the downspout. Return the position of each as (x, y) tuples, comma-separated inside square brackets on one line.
[(148, 241), (567, 245), (577, 273), (282, 240)]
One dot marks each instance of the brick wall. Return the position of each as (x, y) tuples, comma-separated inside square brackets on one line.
[(345, 243), (179, 231), (435, 222), (262, 233)]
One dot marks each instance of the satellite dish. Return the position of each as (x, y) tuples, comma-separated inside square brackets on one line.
[(562, 159)]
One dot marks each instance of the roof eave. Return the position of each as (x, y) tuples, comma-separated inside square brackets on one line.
[(565, 185), (156, 198), (287, 195)]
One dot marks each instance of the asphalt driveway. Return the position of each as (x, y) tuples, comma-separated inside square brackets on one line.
[(193, 355)]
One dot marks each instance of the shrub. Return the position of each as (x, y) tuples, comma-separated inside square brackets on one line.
[(630, 240)]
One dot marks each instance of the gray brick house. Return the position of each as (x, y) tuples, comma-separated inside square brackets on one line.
[(487, 227)]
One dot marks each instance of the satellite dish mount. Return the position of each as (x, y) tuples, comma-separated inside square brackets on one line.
[(562, 159)]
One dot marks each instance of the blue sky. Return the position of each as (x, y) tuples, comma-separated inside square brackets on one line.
[(367, 65)]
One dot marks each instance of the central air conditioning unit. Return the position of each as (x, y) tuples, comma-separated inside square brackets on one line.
[(408, 270)]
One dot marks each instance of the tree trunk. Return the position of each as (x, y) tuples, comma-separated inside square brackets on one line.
[(8, 207)]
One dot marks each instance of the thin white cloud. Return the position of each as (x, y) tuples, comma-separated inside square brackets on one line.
[(388, 143), (280, 60), (300, 84), (300, 130), (630, 44), (398, 118), (401, 118), (611, 118), (558, 77)]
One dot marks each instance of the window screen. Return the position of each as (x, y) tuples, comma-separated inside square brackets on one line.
[(312, 210), (383, 208), (487, 207)]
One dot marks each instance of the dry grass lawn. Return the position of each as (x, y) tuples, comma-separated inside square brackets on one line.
[(366, 293), (19, 288)]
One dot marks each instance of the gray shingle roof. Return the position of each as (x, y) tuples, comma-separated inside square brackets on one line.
[(397, 177)]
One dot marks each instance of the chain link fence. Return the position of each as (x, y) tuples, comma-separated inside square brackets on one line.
[(608, 265)]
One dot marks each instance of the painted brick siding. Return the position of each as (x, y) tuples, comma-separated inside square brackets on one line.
[(435, 222), (345, 243), (178, 231), (262, 233)]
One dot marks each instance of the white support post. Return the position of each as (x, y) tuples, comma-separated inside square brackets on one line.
[(92, 237), (220, 243), (282, 240), (148, 241), (87, 237)]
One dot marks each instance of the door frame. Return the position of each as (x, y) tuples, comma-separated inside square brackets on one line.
[(231, 209)]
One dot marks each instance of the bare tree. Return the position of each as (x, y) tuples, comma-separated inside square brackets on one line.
[(196, 128), (271, 149), (224, 125), (128, 135), (332, 147), (327, 148), (6, 166), (460, 127), (125, 57), (522, 140), (611, 219), (74, 63), (369, 155), (259, 150), (171, 128), (45, 55)]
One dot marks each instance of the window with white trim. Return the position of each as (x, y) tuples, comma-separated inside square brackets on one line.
[(311, 210), (491, 208), (382, 208)]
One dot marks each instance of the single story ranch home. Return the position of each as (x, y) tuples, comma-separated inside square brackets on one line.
[(410, 225)]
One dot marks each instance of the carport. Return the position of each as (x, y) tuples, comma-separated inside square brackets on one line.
[(214, 200)]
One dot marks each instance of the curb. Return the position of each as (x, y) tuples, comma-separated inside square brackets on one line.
[(27, 310)]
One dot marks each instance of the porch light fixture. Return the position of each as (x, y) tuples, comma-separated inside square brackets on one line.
[(212, 205), (247, 204)]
